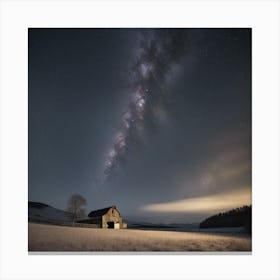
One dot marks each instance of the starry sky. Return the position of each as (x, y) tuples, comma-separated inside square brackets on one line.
[(154, 121)]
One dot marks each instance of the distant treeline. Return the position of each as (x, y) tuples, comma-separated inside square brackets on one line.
[(238, 217)]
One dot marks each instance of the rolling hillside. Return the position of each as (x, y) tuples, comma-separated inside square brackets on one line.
[(40, 212)]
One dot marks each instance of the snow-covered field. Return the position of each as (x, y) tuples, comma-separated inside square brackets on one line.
[(61, 238)]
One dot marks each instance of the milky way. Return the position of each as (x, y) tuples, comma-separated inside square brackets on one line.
[(158, 50)]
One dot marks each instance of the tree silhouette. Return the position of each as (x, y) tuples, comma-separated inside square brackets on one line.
[(75, 206)]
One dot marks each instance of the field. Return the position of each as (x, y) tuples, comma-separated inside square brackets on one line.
[(61, 238)]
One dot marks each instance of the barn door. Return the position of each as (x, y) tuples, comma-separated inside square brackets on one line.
[(110, 224)]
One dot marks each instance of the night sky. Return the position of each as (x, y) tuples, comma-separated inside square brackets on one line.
[(154, 121)]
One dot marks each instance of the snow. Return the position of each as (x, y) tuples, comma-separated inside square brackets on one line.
[(62, 238)]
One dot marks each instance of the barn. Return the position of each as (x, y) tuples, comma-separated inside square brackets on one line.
[(109, 217)]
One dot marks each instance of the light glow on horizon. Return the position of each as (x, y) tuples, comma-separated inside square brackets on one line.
[(210, 203)]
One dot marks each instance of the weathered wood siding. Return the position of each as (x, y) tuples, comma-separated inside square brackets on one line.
[(112, 215)]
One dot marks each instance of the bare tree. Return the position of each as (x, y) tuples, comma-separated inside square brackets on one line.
[(75, 206)]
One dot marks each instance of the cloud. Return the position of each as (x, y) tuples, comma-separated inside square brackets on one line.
[(223, 182), (210, 203), (226, 167)]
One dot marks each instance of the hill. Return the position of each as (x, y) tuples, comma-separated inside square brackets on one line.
[(41, 212), (238, 217)]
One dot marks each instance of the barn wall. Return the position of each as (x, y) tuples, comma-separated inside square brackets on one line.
[(112, 215)]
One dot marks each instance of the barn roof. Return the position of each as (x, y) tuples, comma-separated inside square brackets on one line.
[(100, 212)]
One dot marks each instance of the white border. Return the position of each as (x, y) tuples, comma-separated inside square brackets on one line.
[(17, 16)]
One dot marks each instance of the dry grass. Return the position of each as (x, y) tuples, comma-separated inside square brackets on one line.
[(58, 238)]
